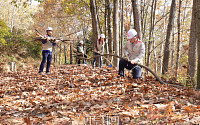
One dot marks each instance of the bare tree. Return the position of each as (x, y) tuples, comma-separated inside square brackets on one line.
[(168, 37), (105, 29), (137, 18), (94, 21), (151, 38), (192, 54), (179, 39), (110, 43), (116, 31), (122, 27), (197, 13)]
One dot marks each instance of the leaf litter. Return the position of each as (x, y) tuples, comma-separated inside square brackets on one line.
[(82, 95)]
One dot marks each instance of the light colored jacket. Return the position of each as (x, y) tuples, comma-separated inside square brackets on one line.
[(80, 49), (135, 52), (99, 46), (47, 45)]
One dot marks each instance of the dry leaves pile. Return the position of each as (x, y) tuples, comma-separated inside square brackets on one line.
[(81, 95)]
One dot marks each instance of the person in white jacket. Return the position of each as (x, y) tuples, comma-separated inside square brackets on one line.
[(134, 49)]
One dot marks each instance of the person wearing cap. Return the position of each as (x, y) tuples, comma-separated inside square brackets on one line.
[(80, 53), (98, 49), (134, 49), (47, 44)]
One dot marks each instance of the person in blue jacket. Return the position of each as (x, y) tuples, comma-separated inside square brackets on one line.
[(47, 45)]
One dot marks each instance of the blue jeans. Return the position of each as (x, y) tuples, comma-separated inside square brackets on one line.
[(136, 70), (93, 64), (46, 55)]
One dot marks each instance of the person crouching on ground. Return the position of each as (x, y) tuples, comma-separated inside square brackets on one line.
[(98, 49), (134, 49), (80, 53), (47, 50)]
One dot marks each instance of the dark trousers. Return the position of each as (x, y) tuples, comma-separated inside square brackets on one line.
[(46, 56), (100, 58), (136, 70), (79, 60)]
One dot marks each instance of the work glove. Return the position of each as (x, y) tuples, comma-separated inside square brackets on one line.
[(127, 54)]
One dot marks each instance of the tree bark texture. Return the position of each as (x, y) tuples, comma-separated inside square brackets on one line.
[(116, 31), (122, 28), (197, 13), (137, 18), (179, 39), (192, 54), (168, 37), (94, 21), (153, 8)]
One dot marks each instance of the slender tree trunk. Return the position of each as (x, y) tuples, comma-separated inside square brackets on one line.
[(71, 53), (172, 50), (144, 31), (105, 30), (122, 28), (155, 58), (110, 43), (192, 54), (12, 21), (65, 55), (168, 37), (116, 31), (60, 60), (137, 18), (142, 15), (153, 8), (163, 38), (179, 39), (197, 13)]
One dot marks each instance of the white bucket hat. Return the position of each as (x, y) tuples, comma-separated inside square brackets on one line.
[(49, 28), (102, 36), (131, 33), (81, 42)]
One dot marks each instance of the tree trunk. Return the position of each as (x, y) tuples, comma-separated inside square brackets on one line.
[(142, 3), (116, 31), (179, 39), (110, 43), (122, 28), (192, 54), (155, 58), (60, 55), (153, 8), (173, 50), (94, 21), (168, 37), (197, 13), (137, 18), (105, 29), (12, 21), (163, 37)]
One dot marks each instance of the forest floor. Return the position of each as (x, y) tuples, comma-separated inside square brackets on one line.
[(82, 95)]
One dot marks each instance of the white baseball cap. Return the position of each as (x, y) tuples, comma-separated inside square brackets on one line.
[(81, 42), (102, 36), (49, 28), (131, 33)]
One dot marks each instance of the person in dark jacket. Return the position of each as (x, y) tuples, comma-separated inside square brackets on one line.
[(81, 53), (47, 45)]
